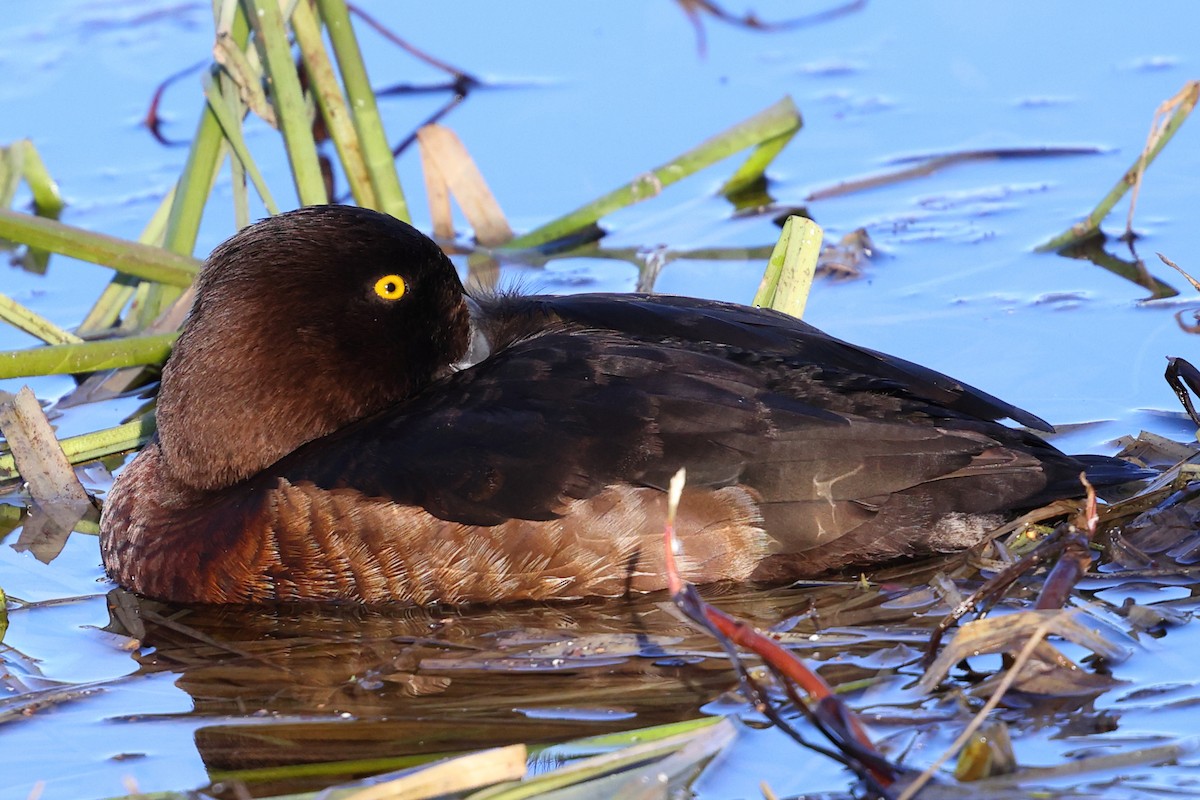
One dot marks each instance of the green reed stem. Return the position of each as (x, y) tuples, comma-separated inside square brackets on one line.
[(291, 111), (791, 267), (72, 359), (47, 200), (779, 120), (230, 121), (91, 446), (33, 323), (1091, 223), (380, 163), (332, 104), (755, 165), (131, 258)]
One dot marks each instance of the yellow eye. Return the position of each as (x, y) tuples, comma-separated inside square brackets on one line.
[(390, 287)]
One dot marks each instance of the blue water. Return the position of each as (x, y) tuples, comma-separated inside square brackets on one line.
[(584, 98)]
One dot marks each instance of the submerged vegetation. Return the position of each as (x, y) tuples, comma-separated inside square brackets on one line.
[(301, 71)]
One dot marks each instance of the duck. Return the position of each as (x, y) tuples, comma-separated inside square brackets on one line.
[(340, 421)]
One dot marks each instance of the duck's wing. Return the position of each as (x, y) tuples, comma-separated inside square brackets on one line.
[(564, 414), (552, 418), (763, 332)]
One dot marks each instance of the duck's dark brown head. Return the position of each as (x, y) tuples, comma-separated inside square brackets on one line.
[(303, 323)]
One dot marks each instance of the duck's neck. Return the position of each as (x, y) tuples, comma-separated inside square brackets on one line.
[(224, 416), (233, 402)]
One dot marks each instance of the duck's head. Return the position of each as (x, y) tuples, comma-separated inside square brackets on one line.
[(301, 324)]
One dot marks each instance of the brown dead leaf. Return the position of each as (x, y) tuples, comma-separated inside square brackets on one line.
[(438, 193), (450, 168), (59, 498), (1006, 634), (1049, 673), (47, 527), (40, 459)]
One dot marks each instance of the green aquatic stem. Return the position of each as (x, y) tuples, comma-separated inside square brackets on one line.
[(91, 446), (378, 765), (155, 232), (244, 69), (72, 359), (381, 165), (105, 312), (200, 172), (190, 195), (143, 308), (21, 161), (653, 733), (10, 174), (33, 323), (223, 14), (231, 126), (228, 91), (790, 269), (754, 168), (1091, 223), (107, 308), (693, 745), (46, 197), (291, 111), (194, 185), (131, 258), (187, 210), (328, 769), (332, 104), (779, 120)]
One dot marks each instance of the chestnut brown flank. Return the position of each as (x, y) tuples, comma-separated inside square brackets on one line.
[(299, 542)]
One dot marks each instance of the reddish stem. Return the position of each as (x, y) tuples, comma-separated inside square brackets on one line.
[(727, 629)]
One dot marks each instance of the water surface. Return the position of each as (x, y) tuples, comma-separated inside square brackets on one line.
[(585, 98)]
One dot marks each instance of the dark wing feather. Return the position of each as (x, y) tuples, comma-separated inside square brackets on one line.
[(565, 412), (766, 333), (551, 418)]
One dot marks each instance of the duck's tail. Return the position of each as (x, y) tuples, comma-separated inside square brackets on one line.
[(1105, 471)]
